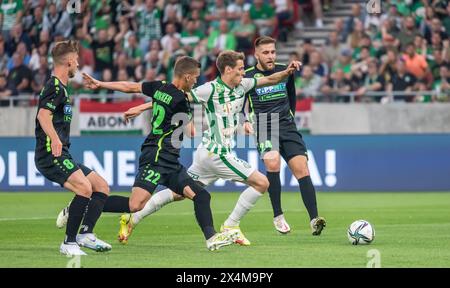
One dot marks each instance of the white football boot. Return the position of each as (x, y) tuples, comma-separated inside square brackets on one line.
[(63, 216), (89, 240), (281, 225), (71, 249)]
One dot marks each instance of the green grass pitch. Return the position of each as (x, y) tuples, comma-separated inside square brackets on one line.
[(412, 230)]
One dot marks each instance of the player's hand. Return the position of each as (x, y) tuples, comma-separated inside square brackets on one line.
[(131, 113), (56, 147), (294, 65), (90, 82), (248, 128)]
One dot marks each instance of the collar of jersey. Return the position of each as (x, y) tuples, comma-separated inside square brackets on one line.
[(223, 83)]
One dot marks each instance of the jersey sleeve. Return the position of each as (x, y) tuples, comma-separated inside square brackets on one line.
[(248, 84), (202, 93), (50, 97), (149, 88)]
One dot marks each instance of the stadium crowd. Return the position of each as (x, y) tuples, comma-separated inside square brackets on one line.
[(404, 48)]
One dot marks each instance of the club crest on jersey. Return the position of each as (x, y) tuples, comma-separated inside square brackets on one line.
[(258, 75), (220, 89)]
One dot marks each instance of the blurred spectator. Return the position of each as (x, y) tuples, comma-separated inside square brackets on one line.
[(153, 62), (36, 25), (57, 22), (355, 37), (407, 34), (221, 39), (340, 30), (415, 63), (20, 75), (402, 80), (388, 65), (6, 91), (360, 67), (172, 12), (103, 48), (236, 10), (191, 36), (344, 63), (336, 86), (217, 11), (135, 55), (40, 75), (16, 36), (149, 23), (436, 63), (263, 15), (39, 52), (308, 85), (446, 20), (332, 50), (436, 27), (3, 57), (306, 51), (442, 84), (122, 63), (317, 9), (371, 81), (171, 16), (318, 67), (284, 10), (358, 15), (22, 51), (170, 38), (11, 12), (245, 33)]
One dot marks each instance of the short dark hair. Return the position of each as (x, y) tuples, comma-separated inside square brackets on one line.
[(63, 48), (228, 58), (264, 40), (185, 65)]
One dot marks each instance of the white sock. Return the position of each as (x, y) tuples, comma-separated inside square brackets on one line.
[(246, 201), (155, 203)]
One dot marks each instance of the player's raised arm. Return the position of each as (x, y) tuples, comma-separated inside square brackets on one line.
[(279, 76), (122, 86), (135, 111)]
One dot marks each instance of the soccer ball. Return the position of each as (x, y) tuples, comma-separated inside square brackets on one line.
[(360, 232)]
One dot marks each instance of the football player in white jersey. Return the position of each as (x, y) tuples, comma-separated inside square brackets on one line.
[(223, 99)]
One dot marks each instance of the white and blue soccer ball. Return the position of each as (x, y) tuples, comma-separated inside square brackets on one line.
[(361, 232)]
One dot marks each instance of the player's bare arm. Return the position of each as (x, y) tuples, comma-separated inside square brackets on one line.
[(279, 76), (133, 112), (122, 86), (189, 130), (45, 119)]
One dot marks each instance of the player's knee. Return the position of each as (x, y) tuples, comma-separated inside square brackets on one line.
[(84, 189), (177, 197), (136, 205), (263, 184), (102, 187), (272, 166), (200, 194)]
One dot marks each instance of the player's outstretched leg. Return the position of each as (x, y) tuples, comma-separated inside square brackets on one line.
[(79, 184), (247, 200), (272, 161), (86, 237), (299, 168), (202, 209), (139, 197)]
